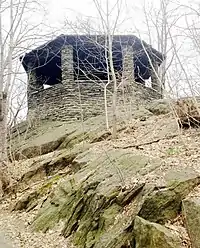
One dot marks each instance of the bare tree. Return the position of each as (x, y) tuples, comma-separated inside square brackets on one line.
[(109, 29), (106, 27), (162, 21), (16, 33)]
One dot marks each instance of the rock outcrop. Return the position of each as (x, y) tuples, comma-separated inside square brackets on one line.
[(191, 211), (107, 195)]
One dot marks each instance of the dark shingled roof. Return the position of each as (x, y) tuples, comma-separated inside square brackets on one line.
[(49, 54)]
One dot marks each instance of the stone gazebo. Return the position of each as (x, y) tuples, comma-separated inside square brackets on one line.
[(76, 68)]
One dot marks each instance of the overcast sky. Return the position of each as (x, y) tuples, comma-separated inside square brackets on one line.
[(130, 16)]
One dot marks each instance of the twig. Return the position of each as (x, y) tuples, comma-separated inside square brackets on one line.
[(137, 146)]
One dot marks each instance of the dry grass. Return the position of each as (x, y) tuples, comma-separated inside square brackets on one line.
[(188, 113)]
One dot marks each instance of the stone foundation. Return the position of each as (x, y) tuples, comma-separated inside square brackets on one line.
[(84, 99)]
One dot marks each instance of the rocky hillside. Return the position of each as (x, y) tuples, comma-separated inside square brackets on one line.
[(73, 186)]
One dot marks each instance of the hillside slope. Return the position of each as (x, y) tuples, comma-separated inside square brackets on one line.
[(73, 186)]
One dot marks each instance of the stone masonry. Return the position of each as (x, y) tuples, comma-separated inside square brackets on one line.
[(72, 99)]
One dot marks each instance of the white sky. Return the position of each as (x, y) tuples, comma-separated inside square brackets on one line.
[(57, 13)]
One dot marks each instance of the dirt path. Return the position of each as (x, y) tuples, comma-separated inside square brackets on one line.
[(15, 232)]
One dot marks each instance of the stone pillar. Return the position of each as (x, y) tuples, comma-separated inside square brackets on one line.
[(155, 82), (67, 64), (128, 64), (128, 78), (34, 84)]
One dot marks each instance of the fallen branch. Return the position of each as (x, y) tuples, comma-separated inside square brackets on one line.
[(138, 146)]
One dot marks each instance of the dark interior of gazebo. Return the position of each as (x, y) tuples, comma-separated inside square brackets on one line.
[(89, 60)]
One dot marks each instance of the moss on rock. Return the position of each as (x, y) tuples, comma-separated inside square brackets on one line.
[(164, 204), (100, 200), (90, 200), (152, 235), (191, 212)]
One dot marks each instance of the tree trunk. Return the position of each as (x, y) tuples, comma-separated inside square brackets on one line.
[(3, 127), (4, 178)]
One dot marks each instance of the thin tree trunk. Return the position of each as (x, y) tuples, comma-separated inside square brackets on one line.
[(3, 127), (110, 55), (2, 99), (105, 86), (106, 24), (4, 89), (106, 105)]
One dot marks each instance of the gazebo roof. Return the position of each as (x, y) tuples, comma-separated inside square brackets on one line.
[(46, 52)]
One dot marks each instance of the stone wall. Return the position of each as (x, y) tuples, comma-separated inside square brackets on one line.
[(67, 103), (84, 99), (74, 100)]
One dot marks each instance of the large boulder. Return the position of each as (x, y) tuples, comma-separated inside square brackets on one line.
[(191, 212), (160, 106), (152, 235), (92, 200), (99, 201), (50, 136), (164, 203)]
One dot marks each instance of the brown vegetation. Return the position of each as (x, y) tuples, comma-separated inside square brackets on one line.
[(187, 111)]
